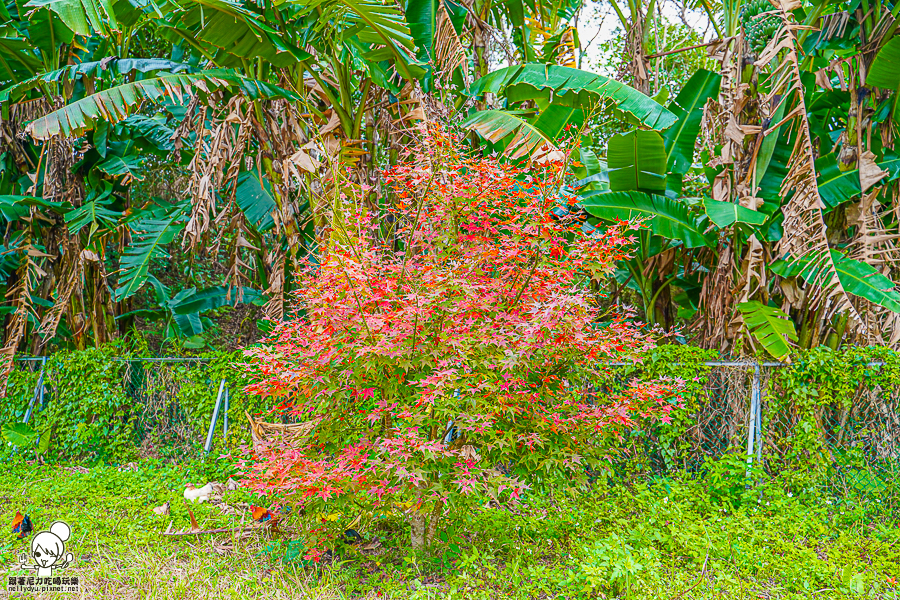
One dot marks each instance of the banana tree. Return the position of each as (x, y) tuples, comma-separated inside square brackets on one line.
[(69, 200), (803, 143), (645, 170), (180, 314), (801, 176)]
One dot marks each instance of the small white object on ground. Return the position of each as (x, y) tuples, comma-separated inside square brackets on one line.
[(195, 494)]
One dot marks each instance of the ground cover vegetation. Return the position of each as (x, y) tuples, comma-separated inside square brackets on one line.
[(666, 517), (660, 538)]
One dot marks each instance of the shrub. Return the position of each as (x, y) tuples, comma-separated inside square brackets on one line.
[(444, 346)]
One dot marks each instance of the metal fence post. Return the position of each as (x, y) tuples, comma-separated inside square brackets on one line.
[(759, 432), (227, 406), (38, 392), (215, 417), (754, 420)]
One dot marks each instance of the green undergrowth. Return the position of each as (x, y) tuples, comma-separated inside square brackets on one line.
[(664, 538)]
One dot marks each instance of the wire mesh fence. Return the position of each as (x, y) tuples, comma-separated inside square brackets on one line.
[(180, 406), (161, 406), (747, 410), (158, 389), (853, 438)]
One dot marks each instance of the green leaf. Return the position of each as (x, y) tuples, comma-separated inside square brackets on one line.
[(666, 217), (94, 213), (496, 125), (150, 133), (18, 434), (637, 161), (856, 277), (593, 173), (374, 22), (571, 87), (84, 17), (384, 21), (767, 147), (891, 164), (188, 324), (46, 31), (115, 104), (553, 120), (213, 297), (527, 134), (771, 326), (776, 169), (131, 165), (21, 59), (422, 18), (724, 214), (14, 208), (687, 107), (150, 235), (239, 34), (254, 197), (195, 342), (836, 186), (884, 72), (93, 69), (44, 443)]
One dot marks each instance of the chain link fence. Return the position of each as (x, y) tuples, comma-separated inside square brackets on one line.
[(851, 443), (165, 405), (734, 409), (158, 387)]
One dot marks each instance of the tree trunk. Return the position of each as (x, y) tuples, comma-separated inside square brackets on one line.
[(662, 309), (424, 527), (417, 524)]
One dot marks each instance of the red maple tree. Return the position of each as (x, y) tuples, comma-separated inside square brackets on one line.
[(441, 348)]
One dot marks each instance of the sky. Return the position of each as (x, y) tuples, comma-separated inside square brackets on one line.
[(599, 24)]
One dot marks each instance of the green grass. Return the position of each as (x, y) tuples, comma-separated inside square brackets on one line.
[(668, 539)]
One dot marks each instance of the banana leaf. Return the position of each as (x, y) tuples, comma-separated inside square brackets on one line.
[(665, 217), (771, 326), (117, 103), (836, 186), (724, 214), (637, 161), (119, 66), (884, 72), (84, 17), (856, 277), (198, 301), (151, 233), (571, 87), (496, 126), (687, 107)]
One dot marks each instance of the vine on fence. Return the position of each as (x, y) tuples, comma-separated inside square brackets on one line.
[(103, 404), (825, 408), (670, 440)]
